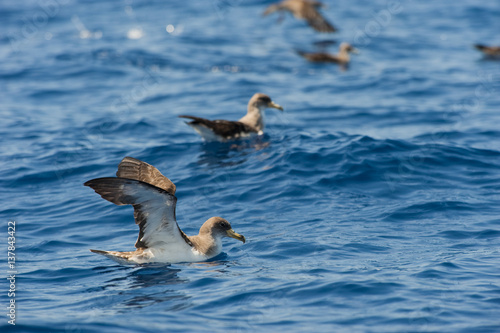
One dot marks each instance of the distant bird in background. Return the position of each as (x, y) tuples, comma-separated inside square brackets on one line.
[(224, 130), (491, 51), (341, 58), (303, 10)]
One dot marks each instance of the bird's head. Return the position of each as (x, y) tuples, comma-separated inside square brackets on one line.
[(262, 101), (346, 47), (220, 228)]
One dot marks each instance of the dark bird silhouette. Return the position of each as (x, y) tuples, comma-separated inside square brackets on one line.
[(304, 10), (342, 57), (491, 51)]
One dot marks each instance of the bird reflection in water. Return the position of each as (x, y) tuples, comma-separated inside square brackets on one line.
[(226, 154), (150, 284), (145, 285)]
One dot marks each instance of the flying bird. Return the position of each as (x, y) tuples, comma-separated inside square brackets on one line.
[(153, 197), (224, 130), (341, 58), (304, 10)]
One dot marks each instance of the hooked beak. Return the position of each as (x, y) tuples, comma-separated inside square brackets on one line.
[(274, 106), (232, 234)]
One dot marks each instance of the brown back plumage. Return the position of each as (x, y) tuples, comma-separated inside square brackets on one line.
[(319, 57), (224, 128), (493, 51), (341, 58)]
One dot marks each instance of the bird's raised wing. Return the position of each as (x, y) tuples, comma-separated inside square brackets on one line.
[(132, 168), (154, 209), (273, 8), (315, 19)]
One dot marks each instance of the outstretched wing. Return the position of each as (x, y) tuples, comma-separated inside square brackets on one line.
[(315, 19), (132, 168), (273, 8), (154, 209), (223, 128)]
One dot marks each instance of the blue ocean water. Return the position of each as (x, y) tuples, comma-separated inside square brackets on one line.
[(370, 205)]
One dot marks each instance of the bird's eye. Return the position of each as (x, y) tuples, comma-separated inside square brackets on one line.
[(265, 99)]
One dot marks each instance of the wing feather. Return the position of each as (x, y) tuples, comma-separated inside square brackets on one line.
[(132, 168), (272, 8), (315, 19)]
